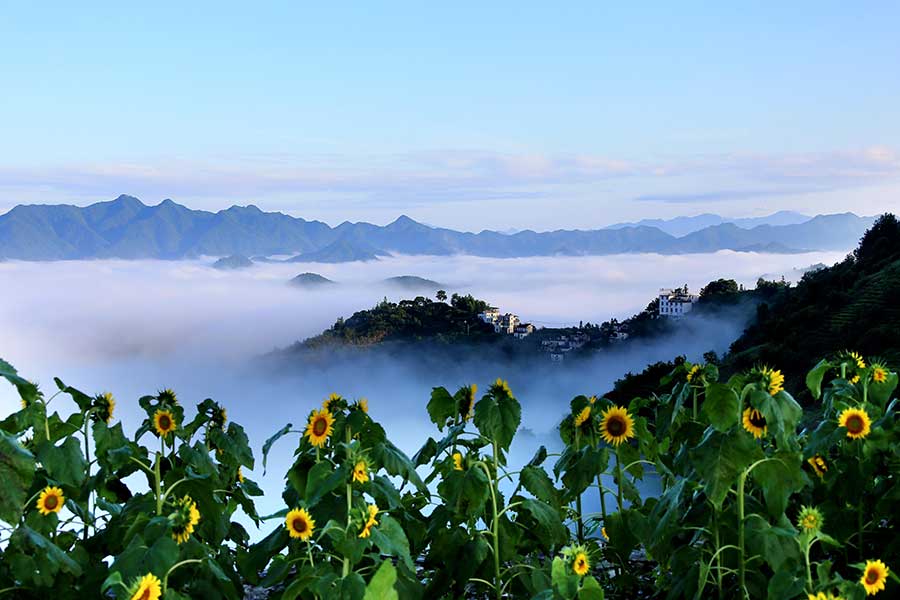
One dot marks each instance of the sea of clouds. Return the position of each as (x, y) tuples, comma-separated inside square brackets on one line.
[(135, 327)]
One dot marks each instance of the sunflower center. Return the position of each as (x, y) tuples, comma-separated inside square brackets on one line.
[(51, 502), (872, 576), (145, 595), (164, 422), (855, 424), (756, 419), (299, 525), (615, 426), (320, 426)]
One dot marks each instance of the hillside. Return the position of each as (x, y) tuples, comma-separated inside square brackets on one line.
[(407, 320), (311, 280), (235, 261), (127, 228), (849, 306)]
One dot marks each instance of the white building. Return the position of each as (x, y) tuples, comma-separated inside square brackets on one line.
[(523, 331), (676, 303), (491, 314), (506, 324)]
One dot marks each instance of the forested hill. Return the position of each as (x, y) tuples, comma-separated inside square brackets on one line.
[(852, 305), (408, 320)]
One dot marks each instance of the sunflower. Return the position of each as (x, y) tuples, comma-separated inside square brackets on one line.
[(695, 370), (810, 519), (240, 475), (860, 363), (457, 461), (616, 425), (818, 465), (857, 423), (501, 386), (370, 521), (148, 587), (603, 533), (326, 403), (163, 422), (583, 416), (879, 373), (184, 519), (362, 404), (581, 565), (874, 576), (468, 403), (755, 423), (773, 379), (320, 427), (167, 396), (103, 406), (51, 500), (361, 471), (823, 596), (592, 400), (299, 524)]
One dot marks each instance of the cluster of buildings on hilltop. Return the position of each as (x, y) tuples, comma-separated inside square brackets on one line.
[(562, 344), (675, 303), (508, 323)]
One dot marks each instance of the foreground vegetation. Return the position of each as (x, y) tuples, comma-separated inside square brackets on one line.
[(756, 499)]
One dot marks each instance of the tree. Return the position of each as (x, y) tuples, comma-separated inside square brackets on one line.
[(719, 287), (441, 295)]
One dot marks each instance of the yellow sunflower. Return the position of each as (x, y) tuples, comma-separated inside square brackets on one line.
[(457, 461), (818, 465), (184, 519), (581, 565), (501, 385), (616, 425), (320, 427), (240, 475), (603, 533), (167, 396), (592, 400), (810, 519), (299, 524), (468, 407), (103, 405), (860, 363), (695, 370), (774, 380), (854, 379), (164, 422), (874, 576), (755, 423), (326, 403), (857, 423), (362, 404), (583, 416), (361, 471), (879, 374), (148, 587), (51, 500), (370, 522)]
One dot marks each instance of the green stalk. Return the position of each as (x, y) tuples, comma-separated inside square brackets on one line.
[(87, 474), (496, 524), (619, 482), (718, 554), (346, 567), (165, 582), (158, 484), (742, 572), (809, 580), (695, 404), (580, 521)]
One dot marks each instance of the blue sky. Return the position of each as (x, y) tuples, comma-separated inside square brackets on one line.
[(466, 115)]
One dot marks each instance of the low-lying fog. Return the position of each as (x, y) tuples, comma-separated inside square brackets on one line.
[(134, 327)]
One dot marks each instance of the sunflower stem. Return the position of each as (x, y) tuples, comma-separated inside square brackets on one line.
[(158, 484), (695, 404), (89, 517), (718, 554), (496, 524), (346, 567), (742, 572), (312, 563), (165, 583), (809, 581), (580, 521), (619, 482)]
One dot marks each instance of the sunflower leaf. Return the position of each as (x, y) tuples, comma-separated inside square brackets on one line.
[(719, 458), (497, 417), (269, 442), (720, 407), (441, 407), (16, 475), (381, 586), (815, 376)]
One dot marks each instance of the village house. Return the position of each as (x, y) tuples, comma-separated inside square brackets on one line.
[(523, 330), (674, 304)]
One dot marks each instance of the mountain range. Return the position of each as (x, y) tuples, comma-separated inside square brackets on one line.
[(129, 229), (680, 226)]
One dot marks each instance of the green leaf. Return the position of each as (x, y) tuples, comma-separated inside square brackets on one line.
[(497, 417), (441, 407), (352, 587), (881, 392), (381, 586), (395, 462), (27, 390), (815, 376), (565, 582), (590, 589), (269, 442), (389, 537), (549, 527), (52, 557), (234, 443), (65, 464), (779, 478), (322, 479), (538, 483), (720, 407), (16, 474), (719, 458)]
